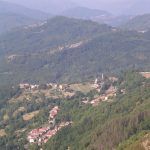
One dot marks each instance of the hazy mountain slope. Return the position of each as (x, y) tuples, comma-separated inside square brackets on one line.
[(7, 7), (10, 21), (12, 15), (56, 32), (34, 43), (50, 6), (96, 15), (141, 22), (70, 50)]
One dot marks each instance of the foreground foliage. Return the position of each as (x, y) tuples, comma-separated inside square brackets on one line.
[(109, 124)]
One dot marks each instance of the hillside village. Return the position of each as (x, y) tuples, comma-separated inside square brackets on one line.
[(104, 86), (34, 99), (68, 90), (43, 134)]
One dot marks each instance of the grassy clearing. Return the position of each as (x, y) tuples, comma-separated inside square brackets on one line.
[(85, 87), (2, 132), (29, 116)]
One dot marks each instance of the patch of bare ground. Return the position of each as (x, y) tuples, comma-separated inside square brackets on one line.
[(2, 133), (146, 142), (30, 116)]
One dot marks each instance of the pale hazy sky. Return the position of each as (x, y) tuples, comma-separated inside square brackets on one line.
[(113, 6)]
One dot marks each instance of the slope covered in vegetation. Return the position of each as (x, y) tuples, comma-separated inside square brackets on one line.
[(141, 22), (109, 124)]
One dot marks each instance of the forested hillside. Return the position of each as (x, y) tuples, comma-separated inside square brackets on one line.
[(139, 23), (121, 123), (50, 34), (69, 50), (33, 47), (109, 124)]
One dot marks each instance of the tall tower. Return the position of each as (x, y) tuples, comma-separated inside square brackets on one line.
[(52, 123), (96, 81), (102, 76)]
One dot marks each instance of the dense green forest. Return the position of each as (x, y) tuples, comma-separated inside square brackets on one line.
[(119, 124), (109, 124), (70, 50), (50, 34)]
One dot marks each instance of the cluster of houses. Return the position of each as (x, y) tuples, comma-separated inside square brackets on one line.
[(28, 86), (145, 74), (63, 89), (53, 113), (99, 82), (108, 95), (43, 134)]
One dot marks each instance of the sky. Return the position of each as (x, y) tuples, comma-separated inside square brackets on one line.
[(113, 6)]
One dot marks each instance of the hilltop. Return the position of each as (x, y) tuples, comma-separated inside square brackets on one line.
[(8, 7), (97, 15), (49, 6), (13, 15)]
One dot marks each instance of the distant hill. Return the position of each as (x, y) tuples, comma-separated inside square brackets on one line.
[(7, 7), (12, 15), (68, 50), (97, 15), (85, 13), (53, 33), (49, 6), (10, 21), (141, 22)]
